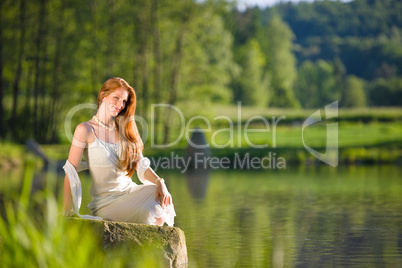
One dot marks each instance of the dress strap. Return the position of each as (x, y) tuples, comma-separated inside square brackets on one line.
[(102, 143), (93, 130)]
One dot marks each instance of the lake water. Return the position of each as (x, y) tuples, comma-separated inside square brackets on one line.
[(298, 217)]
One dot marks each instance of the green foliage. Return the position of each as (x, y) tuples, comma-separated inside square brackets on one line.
[(386, 92), (251, 86), (72, 48), (364, 34), (357, 18), (42, 240), (281, 63), (32, 234), (208, 65), (353, 94), (245, 25), (317, 85), (56, 54)]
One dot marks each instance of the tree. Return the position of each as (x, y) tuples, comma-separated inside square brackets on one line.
[(386, 92), (184, 20), (157, 69), (208, 65), (2, 88), (281, 63), (353, 94), (40, 47), (317, 84), (252, 83), (247, 25)]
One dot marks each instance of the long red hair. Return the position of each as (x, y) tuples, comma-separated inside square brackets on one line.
[(129, 136)]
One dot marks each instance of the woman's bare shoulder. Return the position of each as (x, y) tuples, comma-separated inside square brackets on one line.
[(79, 143), (83, 132), (83, 128)]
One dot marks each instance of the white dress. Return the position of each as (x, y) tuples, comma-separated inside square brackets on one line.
[(115, 196)]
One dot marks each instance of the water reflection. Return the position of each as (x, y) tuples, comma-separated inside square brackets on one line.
[(197, 174), (339, 240), (197, 183), (306, 217)]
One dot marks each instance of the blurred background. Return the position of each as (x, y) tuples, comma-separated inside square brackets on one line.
[(276, 58), (57, 54)]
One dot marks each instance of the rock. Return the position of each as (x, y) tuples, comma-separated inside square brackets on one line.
[(169, 242)]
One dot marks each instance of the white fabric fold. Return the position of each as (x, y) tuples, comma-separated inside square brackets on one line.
[(76, 189), (83, 166)]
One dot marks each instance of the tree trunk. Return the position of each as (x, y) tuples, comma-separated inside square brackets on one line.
[(95, 42), (157, 66), (56, 77), (111, 38), (16, 83), (43, 85), (39, 38), (28, 99), (2, 121), (145, 74), (174, 82), (141, 73)]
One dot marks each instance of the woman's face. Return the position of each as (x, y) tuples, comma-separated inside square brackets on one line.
[(116, 101)]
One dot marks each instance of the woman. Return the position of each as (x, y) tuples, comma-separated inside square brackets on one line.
[(113, 148)]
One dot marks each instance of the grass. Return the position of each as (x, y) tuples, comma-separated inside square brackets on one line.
[(32, 234), (375, 142), (290, 136), (366, 114), (10, 154), (357, 127)]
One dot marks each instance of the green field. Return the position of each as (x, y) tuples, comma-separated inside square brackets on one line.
[(232, 126), (349, 135), (377, 135), (355, 114)]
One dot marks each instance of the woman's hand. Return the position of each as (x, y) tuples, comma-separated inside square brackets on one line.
[(162, 193)]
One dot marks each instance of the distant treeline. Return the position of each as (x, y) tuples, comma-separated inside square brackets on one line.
[(343, 51), (55, 54)]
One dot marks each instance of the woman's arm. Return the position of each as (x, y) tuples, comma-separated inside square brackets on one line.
[(78, 145), (161, 193), (151, 176)]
